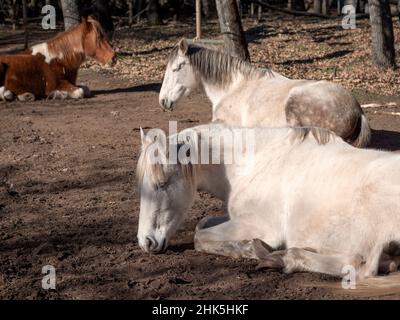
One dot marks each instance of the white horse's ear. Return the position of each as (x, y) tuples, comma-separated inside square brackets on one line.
[(144, 138), (183, 47)]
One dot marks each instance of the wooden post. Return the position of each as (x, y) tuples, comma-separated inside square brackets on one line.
[(259, 13), (252, 9), (198, 19), (24, 14)]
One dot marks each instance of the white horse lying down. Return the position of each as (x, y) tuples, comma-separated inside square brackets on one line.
[(323, 206), (243, 95)]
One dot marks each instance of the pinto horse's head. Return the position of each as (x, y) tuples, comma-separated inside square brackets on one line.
[(95, 41)]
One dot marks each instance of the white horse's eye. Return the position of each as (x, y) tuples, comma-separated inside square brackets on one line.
[(161, 185), (179, 67)]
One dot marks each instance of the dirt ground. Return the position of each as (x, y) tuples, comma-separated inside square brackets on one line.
[(68, 198), (68, 195)]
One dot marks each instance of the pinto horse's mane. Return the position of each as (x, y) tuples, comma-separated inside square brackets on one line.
[(69, 44)]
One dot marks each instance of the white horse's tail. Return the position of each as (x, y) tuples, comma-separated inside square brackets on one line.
[(381, 286), (364, 137)]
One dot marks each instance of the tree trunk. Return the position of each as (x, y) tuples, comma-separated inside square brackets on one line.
[(398, 9), (325, 7), (383, 53), (297, 5), (130, 11), (231, 29), (153, 14), (70, 13), (139, 7), (317, 6), (104, 16), (209, 9)]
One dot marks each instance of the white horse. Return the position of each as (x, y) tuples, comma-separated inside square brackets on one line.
[(243, 95), (320, 202)]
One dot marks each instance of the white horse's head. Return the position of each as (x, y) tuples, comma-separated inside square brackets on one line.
[(179, 79), (167, 192)]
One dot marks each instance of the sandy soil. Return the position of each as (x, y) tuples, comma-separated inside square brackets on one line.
[(68, 198)]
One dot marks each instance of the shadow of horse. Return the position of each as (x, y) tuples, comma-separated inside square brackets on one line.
[(140, 88), (385, 140)]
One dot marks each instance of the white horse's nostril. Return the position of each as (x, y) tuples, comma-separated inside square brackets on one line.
[(151, 243)]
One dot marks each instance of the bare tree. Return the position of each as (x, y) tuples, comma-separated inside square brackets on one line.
[(70, 11), (383, 53), (317, 6), (153, 14), (325, 7), (231, 29)]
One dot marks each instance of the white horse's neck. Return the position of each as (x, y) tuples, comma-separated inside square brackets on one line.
[(216, 92)]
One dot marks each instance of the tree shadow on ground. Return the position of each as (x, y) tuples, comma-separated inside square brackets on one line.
[(327, 56)]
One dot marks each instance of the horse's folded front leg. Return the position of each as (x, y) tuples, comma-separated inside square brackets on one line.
[(70, 91), (5, 94), (57, 94), (27, 96), (298, 259), (228, 239)]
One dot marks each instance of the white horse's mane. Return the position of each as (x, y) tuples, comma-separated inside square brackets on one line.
[(158, 176), (218, 67)]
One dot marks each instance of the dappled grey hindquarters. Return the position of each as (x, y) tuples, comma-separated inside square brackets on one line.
[(69, 195)]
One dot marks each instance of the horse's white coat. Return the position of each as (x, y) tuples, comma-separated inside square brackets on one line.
[(339, 201)]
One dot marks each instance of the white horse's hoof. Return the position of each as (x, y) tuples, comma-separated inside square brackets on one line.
[(27, 96)]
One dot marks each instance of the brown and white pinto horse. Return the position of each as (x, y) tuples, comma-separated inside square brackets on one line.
[(50, 69)]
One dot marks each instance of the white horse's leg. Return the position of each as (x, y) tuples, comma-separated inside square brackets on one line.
[(208, 222), (230, 238), (297, 260)]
